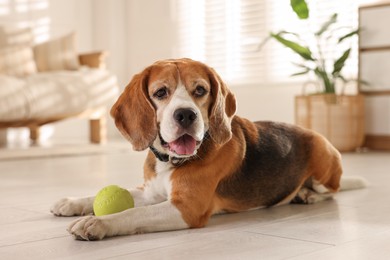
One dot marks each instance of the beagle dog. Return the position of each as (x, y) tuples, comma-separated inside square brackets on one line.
[(203, 159)]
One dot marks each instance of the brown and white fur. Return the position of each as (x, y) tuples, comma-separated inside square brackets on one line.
[(203, 159)]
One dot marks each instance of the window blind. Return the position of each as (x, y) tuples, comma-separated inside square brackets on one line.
[(226, 35)]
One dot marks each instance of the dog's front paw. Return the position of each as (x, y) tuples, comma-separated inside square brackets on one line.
[(73, 207), (88, 228)]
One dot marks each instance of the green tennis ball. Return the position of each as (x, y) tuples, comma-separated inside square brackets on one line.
[(112, 199)]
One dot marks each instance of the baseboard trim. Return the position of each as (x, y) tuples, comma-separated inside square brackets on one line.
[(377, 142)]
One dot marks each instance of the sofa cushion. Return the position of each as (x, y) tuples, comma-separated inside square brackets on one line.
[(15, 36), (60, 94), (17, 61), (13, 99), (57, 54)]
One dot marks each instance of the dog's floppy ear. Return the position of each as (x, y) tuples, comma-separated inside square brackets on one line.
[(134, 115), (222, 110)]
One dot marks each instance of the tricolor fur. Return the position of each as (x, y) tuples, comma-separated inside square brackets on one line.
[(203, 159)]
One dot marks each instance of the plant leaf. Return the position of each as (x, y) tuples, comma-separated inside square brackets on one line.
[(263, 42), (339, 64), (326, 25), (302, 66), (286, 32), (328, 85), (300, 73), (349, 35), (304, 52), (342, 78), (300, 8), (364, 82)]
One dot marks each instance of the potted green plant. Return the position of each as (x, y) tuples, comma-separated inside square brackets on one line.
[(339, 117)]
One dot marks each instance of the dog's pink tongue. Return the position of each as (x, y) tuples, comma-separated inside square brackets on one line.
[(184, 145)]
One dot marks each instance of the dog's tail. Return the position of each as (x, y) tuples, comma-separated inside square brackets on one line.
[(352, 183)]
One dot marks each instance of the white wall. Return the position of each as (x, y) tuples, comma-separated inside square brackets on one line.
[(275, 103), (50, 18), (151, 33)]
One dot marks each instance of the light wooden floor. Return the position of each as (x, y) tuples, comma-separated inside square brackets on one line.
[(356, 225)]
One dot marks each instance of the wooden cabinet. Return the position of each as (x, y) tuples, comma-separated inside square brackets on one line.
[(374, 68)]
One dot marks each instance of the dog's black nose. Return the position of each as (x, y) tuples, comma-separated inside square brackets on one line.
[(185, 117)]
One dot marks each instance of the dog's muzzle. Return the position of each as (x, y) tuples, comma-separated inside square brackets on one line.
[(186, 144)]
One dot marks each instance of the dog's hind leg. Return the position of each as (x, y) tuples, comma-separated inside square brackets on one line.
[(312, 192), (309, 196)]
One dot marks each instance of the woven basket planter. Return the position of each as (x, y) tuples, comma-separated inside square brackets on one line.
[(340, 118)]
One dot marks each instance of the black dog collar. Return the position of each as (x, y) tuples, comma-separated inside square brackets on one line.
[(161, 156)]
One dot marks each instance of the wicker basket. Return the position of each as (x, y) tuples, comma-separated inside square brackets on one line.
[(340, 118)]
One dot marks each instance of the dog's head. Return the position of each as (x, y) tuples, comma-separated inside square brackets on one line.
[(172, 105)]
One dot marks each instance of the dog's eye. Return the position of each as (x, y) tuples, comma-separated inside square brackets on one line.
[(200, 91), (161, 93)]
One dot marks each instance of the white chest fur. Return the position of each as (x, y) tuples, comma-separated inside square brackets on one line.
[(159, 188)]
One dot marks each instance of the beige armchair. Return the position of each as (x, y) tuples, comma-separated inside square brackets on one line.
[(50, 81), (96, 116)]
